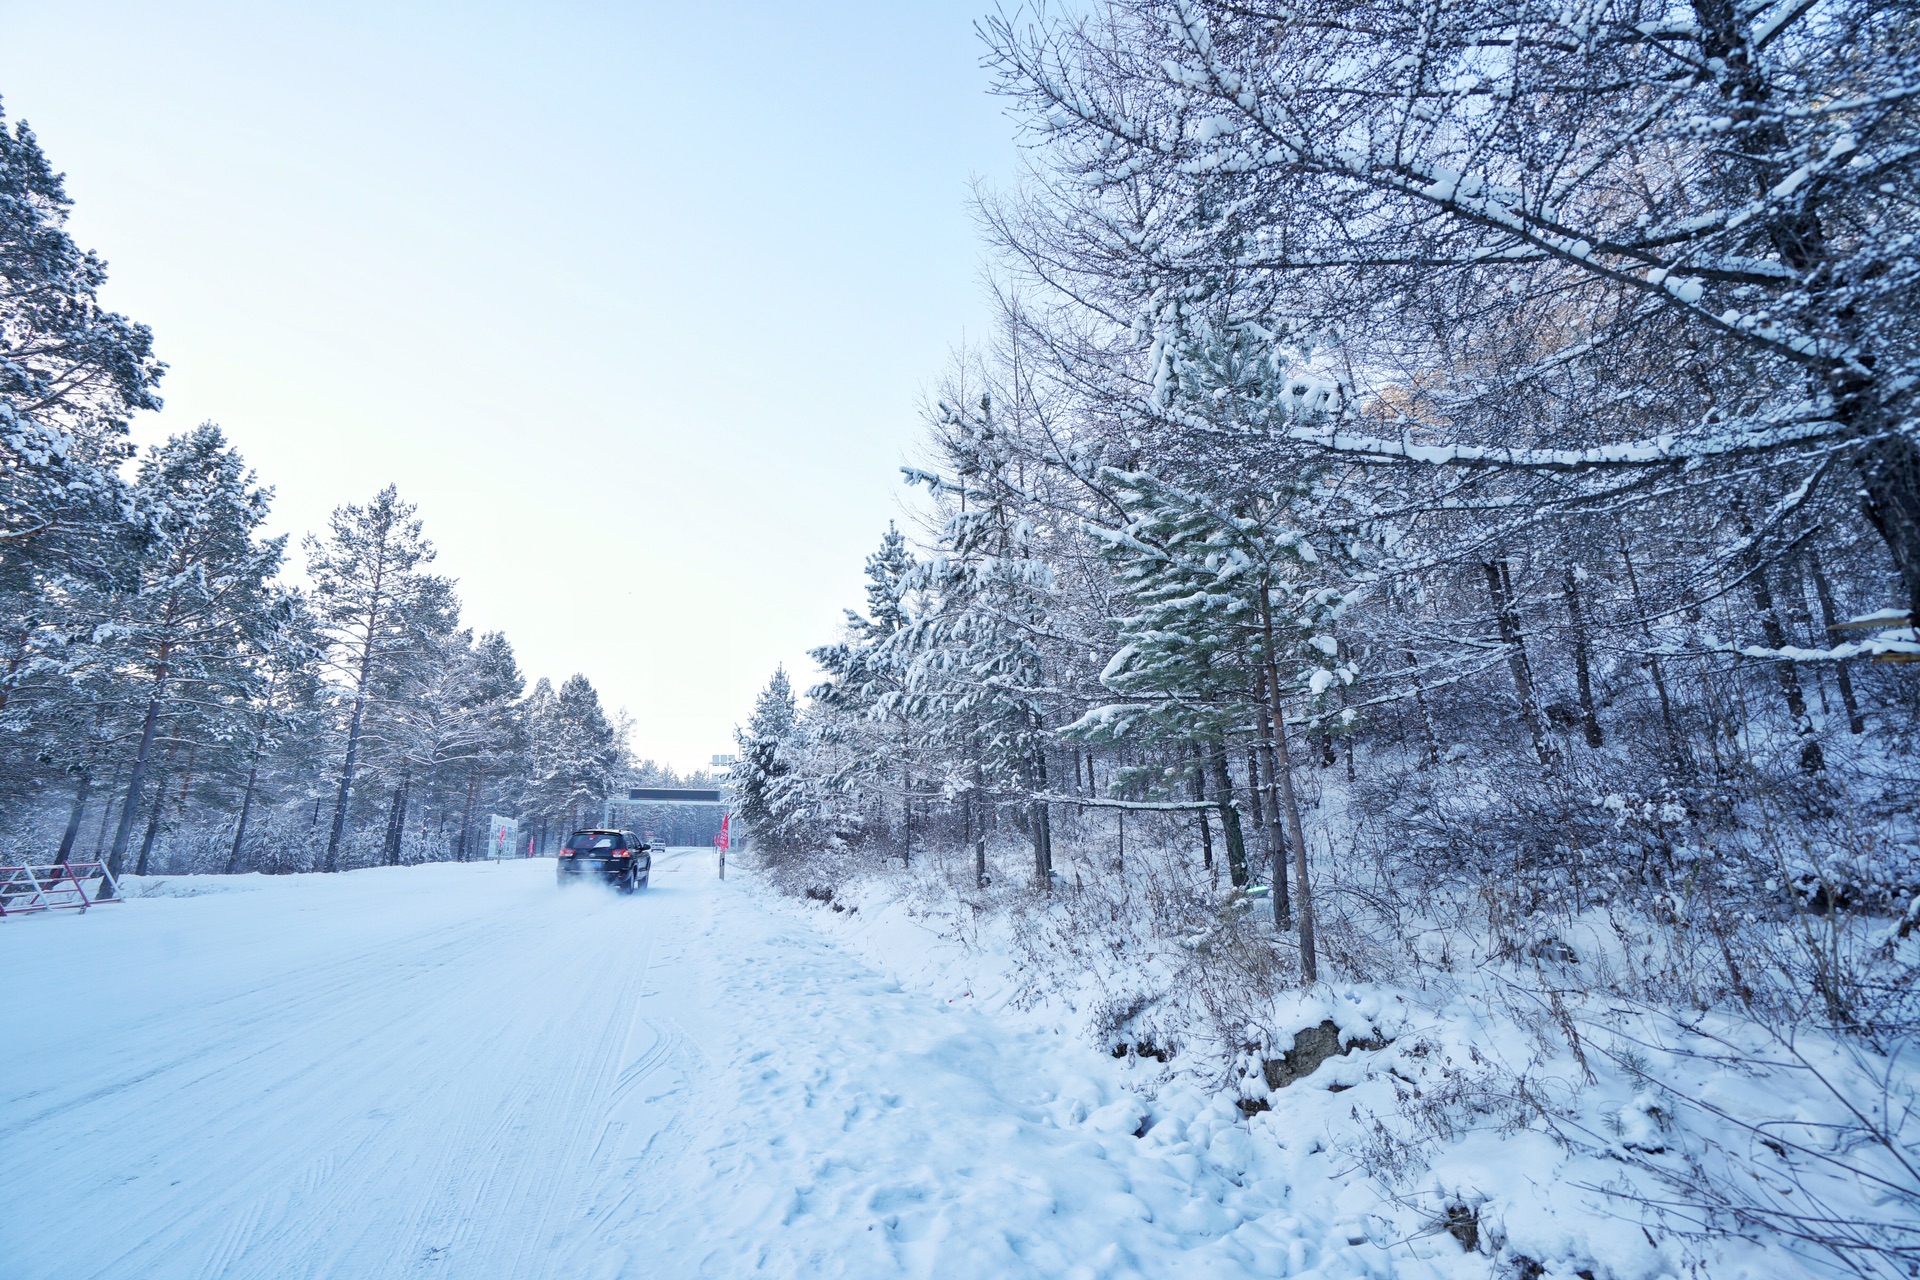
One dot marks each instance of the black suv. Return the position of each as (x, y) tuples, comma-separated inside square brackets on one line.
[(615, 857)]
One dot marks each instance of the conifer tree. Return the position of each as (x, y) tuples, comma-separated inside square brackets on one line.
[(575, 752), (478, 736), (876, 749), (287, 698), (973, 659), (375, 601), (1219, 586), (71, 372), (71, 375), (765, 747), (201, 596)]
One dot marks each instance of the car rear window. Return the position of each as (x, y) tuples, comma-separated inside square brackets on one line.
[(584, 840)]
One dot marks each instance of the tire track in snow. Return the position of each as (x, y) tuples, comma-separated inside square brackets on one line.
[(641, 1138)]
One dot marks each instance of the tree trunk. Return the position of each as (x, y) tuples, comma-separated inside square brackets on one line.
[(1041, 826), (1681, 760), (1794, 588), (466, 814), (153, 829), (400, 820), (359, 710), (1264, 820), (346, 767), (1303, 890), (16, 659), (82, 785), (1199, 786), (246, 812), (136, 781), (1229, 815), (1811, 759), (153, 819), (390, 845), (906, 806), (977, 819), (1890, 472), (1500, 587), (1041, 835), (1276, 849), (400, 810), (186, 779), (1582, 670), (106, 820), (1829, 617), (1432, 736)]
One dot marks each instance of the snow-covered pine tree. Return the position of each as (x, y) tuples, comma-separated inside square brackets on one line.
[(287, 701), (480, 739), (1221, 591), (534, 711), (185, 629), (873, 751), (72, 730), (974, 660), (413, 711), (575, 752), (71, 374), (764, 746), (374, 600)]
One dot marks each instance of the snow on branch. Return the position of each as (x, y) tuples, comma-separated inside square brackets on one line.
[(1145, 806)]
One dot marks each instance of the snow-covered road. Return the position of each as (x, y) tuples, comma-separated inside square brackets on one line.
[(463, 1071), (347, 1077)]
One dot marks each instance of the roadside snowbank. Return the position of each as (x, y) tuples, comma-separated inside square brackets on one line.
[(1479, 1121)]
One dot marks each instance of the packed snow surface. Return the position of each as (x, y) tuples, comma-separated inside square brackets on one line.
[(466, 1071), (463, 1070)]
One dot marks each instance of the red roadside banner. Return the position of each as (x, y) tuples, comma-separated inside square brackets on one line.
[(720, 841)]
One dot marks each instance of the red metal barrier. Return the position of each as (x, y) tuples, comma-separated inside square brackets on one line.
[(54, 886)]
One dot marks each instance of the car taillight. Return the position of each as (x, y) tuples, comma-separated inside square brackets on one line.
[(623, 853)]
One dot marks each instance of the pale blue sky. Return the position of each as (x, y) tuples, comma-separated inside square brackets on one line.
[(636, 301)]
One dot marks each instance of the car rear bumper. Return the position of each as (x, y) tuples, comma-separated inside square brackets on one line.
[(594, 868)]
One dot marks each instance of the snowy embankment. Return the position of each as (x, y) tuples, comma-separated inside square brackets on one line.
[(1479, 1125), (464, 1071)]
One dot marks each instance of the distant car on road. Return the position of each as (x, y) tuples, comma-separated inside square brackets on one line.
[(618, 858)]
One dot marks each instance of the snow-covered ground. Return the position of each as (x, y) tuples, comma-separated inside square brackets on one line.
[(465, 1071)]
